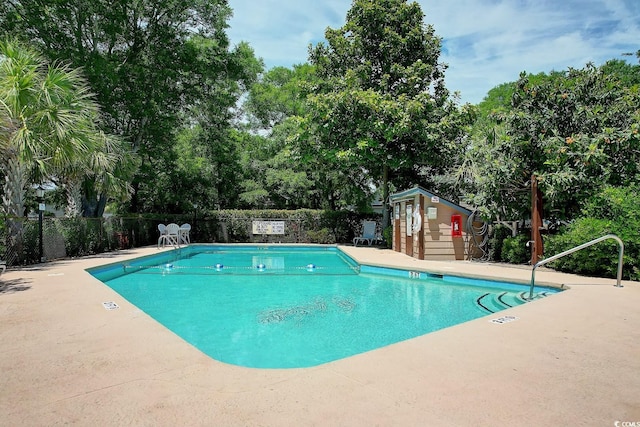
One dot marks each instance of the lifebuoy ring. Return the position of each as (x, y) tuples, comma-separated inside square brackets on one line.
[(417, 220)]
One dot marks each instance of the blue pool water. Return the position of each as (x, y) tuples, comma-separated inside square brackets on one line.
[(286, 307)]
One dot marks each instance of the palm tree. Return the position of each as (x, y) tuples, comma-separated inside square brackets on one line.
[(47, 128), (47, 121), (105, 171)]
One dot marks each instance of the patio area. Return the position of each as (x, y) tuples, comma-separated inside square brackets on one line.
[(569, 359)]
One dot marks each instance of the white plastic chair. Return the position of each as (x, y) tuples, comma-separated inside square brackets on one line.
[(368, 233), (185, 229), (169, 235), (162, 229), (173, 234), (3, 266)]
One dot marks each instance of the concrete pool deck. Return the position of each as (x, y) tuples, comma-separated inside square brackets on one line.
[(570, 359)]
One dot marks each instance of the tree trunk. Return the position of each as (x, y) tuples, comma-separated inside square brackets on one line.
[(93, 204), (386, 220), (74, 200), (15, 184), (133, 204), (102, 204)]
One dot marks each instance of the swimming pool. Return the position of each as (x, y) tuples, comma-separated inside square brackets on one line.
[(288, 307)]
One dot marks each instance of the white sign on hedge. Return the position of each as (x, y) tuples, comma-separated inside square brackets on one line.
[(268, 227)]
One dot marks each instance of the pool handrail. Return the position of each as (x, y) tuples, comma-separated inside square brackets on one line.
[(577, 248)]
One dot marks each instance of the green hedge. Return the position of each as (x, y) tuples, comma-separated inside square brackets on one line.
[(505, 248), (303, 225), (84, 236), (515, 250), (612, 211), (499, 234)]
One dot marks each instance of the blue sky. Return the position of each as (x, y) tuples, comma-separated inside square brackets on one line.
[(485, 42)]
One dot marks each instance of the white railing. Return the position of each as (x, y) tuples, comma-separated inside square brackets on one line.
[(577, 248)]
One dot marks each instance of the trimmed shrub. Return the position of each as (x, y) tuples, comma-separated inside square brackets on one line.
[(615, 210), (496, 241), (515, 250), (387, 233), (324, 236)]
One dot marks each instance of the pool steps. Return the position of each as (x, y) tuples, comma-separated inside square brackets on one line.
[(492, 303)]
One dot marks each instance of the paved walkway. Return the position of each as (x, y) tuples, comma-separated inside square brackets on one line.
[(571, 359)]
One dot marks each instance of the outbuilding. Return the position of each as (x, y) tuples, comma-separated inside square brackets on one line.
[(426, 226)]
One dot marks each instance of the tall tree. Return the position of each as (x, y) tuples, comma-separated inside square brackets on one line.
[(383, 109), (280, 169), (150, 62)]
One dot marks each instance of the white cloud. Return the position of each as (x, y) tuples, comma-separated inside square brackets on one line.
[(281, 31), (486, 42)]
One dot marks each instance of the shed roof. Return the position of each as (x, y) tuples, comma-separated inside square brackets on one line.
[(412, 192)]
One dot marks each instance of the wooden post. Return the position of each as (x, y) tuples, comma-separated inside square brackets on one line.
[(536, 221)]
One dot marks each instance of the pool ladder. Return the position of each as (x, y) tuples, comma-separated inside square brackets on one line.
[(576, 249)]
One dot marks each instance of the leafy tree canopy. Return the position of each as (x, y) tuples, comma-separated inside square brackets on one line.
[(281, 93), (575, 130), (382, 108), (152, 64), (49, 127)]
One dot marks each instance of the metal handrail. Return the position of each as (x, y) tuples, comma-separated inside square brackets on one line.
[(577, 248)]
